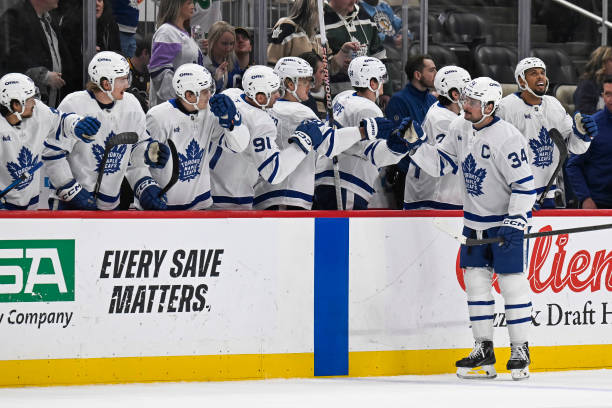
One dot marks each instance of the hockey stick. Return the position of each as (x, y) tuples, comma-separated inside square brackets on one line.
[(560, 143), (24, 176), (473, 241), (118, 139), (328, 99), (175, 168)]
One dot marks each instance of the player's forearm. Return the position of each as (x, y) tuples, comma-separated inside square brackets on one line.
[(339, 141), (237, 139), (522, 199), (282, 164)]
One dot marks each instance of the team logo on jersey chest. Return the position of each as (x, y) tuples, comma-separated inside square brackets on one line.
[(113, 162), (25, 162), (473, 176), (542, 149), (189, 167)]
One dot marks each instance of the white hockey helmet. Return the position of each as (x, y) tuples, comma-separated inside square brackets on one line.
[(193, 78), (449, 78), (17, 87), (260, 79), (362, 69), (522, 67), (485, 90), (292, 68), (110, 66)]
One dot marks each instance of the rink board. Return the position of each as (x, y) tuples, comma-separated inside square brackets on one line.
[(186, 296)]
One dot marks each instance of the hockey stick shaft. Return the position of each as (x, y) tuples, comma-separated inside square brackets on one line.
[(557, 139), (20, 179), (118, 139), (175, 168), (328, 98)]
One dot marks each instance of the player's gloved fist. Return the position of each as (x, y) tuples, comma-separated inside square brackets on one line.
[(224, 109), (408, 136), (512, 231), (308, 135), (147, 191), (377, 128), (157, 154), (86, 129), (585, 127), (76, 196)]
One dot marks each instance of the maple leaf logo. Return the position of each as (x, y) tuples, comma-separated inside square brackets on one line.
[(473, 176), (25, 162), (542, 149), (113, 161), (189, 163)]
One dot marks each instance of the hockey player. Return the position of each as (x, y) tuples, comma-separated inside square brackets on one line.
[(498, 194), (423, 191), (26, 123), (533, 113), (187, 121), (73, 166)]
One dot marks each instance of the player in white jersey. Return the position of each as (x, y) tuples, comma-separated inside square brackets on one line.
[(25, 123), (498, 194), (191, 125), (423, 191), (73, 166), (533, 113)]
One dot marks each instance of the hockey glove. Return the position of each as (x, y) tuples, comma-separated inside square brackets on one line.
[(308, 135), (76, 196), (157, 154), (585, 127), (147, 191), (512, 231), (224, 109), (408, 136), (86, 129), (377, 128)]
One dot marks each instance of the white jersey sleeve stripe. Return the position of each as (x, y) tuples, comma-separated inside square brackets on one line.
[(449, 160)]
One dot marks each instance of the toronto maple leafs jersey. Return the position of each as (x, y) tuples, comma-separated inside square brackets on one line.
[(234, 175), (21, 150), (67, 159), (497, 180), (423, 191), (191, 133), (534, 122)]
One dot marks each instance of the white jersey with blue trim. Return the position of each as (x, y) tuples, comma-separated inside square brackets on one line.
[(234, 175), (534, 122), (191, 133), (67, 159), (21, 148), (423, 191), (497, 180), (357, 171)]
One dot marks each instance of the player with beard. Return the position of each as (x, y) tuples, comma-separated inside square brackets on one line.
[(534, 113)]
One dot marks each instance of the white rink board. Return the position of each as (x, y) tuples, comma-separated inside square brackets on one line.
[(404, 291), (264, 286)]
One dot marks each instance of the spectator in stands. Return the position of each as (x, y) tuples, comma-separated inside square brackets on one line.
[(140, 73), (221, 59), (107, 30), (243, 49), (295, 34), (206, 13), (387, 22), (172, 47), (590, 174), (350, 33), (126, 14), (316, 97), (414, 101), (587, 97), (35, 47)]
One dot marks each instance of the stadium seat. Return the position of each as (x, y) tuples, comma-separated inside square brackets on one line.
[(496, 62), (465, 28), (442, 55), (559, 67), (507, 89), (565, 95)]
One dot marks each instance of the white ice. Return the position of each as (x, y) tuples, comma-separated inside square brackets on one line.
[(579, 389)]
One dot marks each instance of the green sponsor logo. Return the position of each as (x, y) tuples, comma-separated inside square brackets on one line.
[(37, 270)]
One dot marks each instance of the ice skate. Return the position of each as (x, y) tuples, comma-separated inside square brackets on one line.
[(519, 361), (479, 364)]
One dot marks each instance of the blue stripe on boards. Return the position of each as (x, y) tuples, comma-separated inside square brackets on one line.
[(331, 273)]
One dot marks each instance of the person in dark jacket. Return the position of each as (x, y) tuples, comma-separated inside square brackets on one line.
[(587, 96)]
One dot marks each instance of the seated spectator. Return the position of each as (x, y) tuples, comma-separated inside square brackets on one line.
[(316, 96), (36, 48), (295, 34), (172, 47), (590, 174), (221, 60), (587, 97)]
